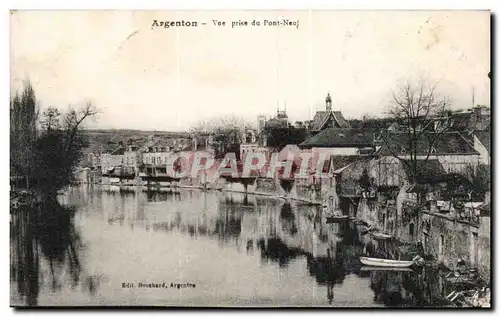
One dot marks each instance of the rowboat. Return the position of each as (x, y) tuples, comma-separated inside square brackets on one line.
[(381, 236), (385, 269), (384, 262)]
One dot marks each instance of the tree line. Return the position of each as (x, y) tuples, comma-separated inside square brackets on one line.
[(45, 147)]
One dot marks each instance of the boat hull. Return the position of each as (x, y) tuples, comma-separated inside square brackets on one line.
[(385, 269), (381, 236), (385, 262)]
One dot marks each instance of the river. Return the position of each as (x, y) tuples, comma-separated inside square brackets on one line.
[(98, 247)]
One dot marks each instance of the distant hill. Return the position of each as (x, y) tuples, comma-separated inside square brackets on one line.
[(108, 140)]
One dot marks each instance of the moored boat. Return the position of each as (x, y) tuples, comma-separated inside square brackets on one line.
[(388, 269), (384, 262), (381, 236)]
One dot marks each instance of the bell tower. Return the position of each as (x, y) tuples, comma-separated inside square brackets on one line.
[(328, 102)]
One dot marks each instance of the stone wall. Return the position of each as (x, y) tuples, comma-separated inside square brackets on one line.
[(447, 240), (266, 186), (240, 187), (407, 219), (484, 247), (368, 212)]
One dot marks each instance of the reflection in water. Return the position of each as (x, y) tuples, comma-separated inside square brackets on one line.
[(44, 238), (288, 219), (266, 251)]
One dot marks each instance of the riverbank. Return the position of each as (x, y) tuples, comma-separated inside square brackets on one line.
[(174, 188)]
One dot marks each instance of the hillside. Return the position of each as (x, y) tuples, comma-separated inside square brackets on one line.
[(107, 140)]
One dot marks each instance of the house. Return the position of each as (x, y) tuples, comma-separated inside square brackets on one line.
[(90, 160), (111, 160), (132, 158), (279, 122), (155, 162), (327, 118), (452, 150), (249, 142), (347, 170), (341, 141), (476, 118), (479, 117)]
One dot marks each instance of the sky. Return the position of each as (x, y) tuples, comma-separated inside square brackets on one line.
[(170, 78)]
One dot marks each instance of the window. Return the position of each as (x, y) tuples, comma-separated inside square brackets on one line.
[(154, 160), (412, 229)]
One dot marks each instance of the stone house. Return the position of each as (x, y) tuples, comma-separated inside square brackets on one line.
[(342, 142), (111, 160), (451, 149)]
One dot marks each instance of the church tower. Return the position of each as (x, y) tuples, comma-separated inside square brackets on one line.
[(328, 102)]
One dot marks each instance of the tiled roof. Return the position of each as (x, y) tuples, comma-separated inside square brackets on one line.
[(321, 117), (340, 161), (334, 137), (461, 121), (428, 171), (168, 143), (341, 121), (120, 150), (445, 143), (319, 120), (469, 120)]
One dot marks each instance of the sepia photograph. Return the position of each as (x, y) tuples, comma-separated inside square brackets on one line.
[(250, 159)]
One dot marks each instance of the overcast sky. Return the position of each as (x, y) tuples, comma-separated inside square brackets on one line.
[(167, 79)]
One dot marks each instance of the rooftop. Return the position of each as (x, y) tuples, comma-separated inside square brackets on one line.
[(321, 118), (339, 162), (397, 143), (428, 171), (335, 137)]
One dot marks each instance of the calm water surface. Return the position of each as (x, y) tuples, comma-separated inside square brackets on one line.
[(235, 250)]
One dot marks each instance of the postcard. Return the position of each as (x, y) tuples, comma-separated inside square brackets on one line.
[(308, 158)]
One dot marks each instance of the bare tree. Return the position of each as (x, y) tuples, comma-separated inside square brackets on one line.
[(423, 117), (226, 132), (220, 125), (59, 147), (73, 121)]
